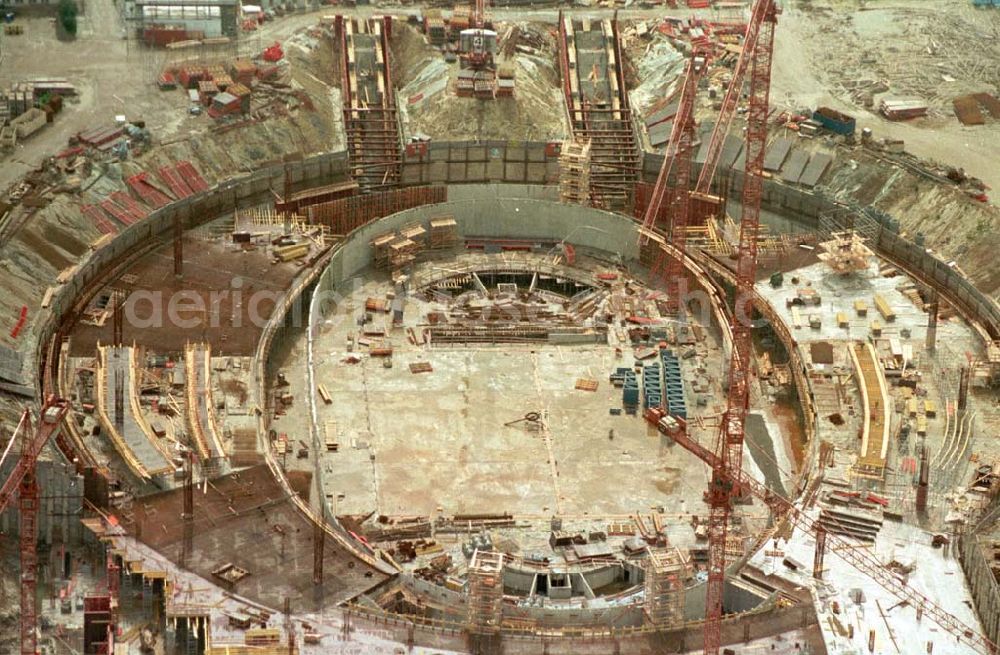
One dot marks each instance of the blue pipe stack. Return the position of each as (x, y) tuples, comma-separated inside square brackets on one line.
[(674, 384), (630, 387), (652, 386)]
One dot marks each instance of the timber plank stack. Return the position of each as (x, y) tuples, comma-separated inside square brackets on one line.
[(574, 171)]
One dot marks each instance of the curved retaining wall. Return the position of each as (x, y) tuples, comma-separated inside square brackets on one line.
[(192, 211), (477, 212), (805, 208), (452, 163), (519, 163)]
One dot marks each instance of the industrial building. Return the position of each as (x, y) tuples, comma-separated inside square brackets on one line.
[(501, 330), (197, 20)]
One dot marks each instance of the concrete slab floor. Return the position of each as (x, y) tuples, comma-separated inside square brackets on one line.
[(225, 297), (950, 456), (439, 439), (428, 442)]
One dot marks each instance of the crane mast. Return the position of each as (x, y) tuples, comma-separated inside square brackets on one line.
[(479, 14), (23, 481), (759, 20), (677, 162), (758, 48)]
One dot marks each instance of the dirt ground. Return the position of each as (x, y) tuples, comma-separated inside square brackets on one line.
[(833, 53), (429, 106), (208, 266), (114, 75), (908, 46)]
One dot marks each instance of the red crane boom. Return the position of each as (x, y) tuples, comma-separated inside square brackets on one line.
[(758, 47), (762, 15), (677, 161), (479, 14), (22, 479)]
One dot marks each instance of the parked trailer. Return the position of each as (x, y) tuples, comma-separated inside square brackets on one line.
[(899, 110)]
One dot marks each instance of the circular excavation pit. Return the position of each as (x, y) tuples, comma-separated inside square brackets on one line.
[(500, 387), (473, 387)]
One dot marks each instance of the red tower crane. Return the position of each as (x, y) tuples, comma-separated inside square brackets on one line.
[(22, 479), (479, 14), (726, 460), (677, 161), (758, 48), (758, 42), (860, 558)]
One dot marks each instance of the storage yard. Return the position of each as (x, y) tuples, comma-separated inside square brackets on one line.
[(563, 329)]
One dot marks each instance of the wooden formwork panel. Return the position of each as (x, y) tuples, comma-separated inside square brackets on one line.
[(515, 170), (539, 173), (437, 172), (516, 153)]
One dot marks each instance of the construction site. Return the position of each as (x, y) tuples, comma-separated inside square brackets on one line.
[(501, 329)]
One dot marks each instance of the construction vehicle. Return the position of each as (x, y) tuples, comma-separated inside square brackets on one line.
[(477, 47), (273, 53)]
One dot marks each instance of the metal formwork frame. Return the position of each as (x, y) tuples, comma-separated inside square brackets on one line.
[(485, 593), (665, 573), (373, 135), (615, 163)]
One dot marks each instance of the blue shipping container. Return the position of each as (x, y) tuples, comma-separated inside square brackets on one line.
[(835, 121)]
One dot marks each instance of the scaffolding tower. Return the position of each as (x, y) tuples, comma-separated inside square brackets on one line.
[(845, 252), (665, 573), (574, 171), (485, 593), (843, 218)]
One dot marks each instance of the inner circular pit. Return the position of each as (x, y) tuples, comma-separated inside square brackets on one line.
[(496, 384)]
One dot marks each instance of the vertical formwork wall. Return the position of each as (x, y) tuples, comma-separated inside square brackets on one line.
[(982, 583)]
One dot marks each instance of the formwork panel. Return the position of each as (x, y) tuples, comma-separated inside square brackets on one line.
[(437, 172), (776, 154), (536, 153), (793, 168), (515, 170), (413, 174), (495, 170), (475, 171), (456, 172), (815, 169), (537, 173), (731, 149), (438, 153)]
